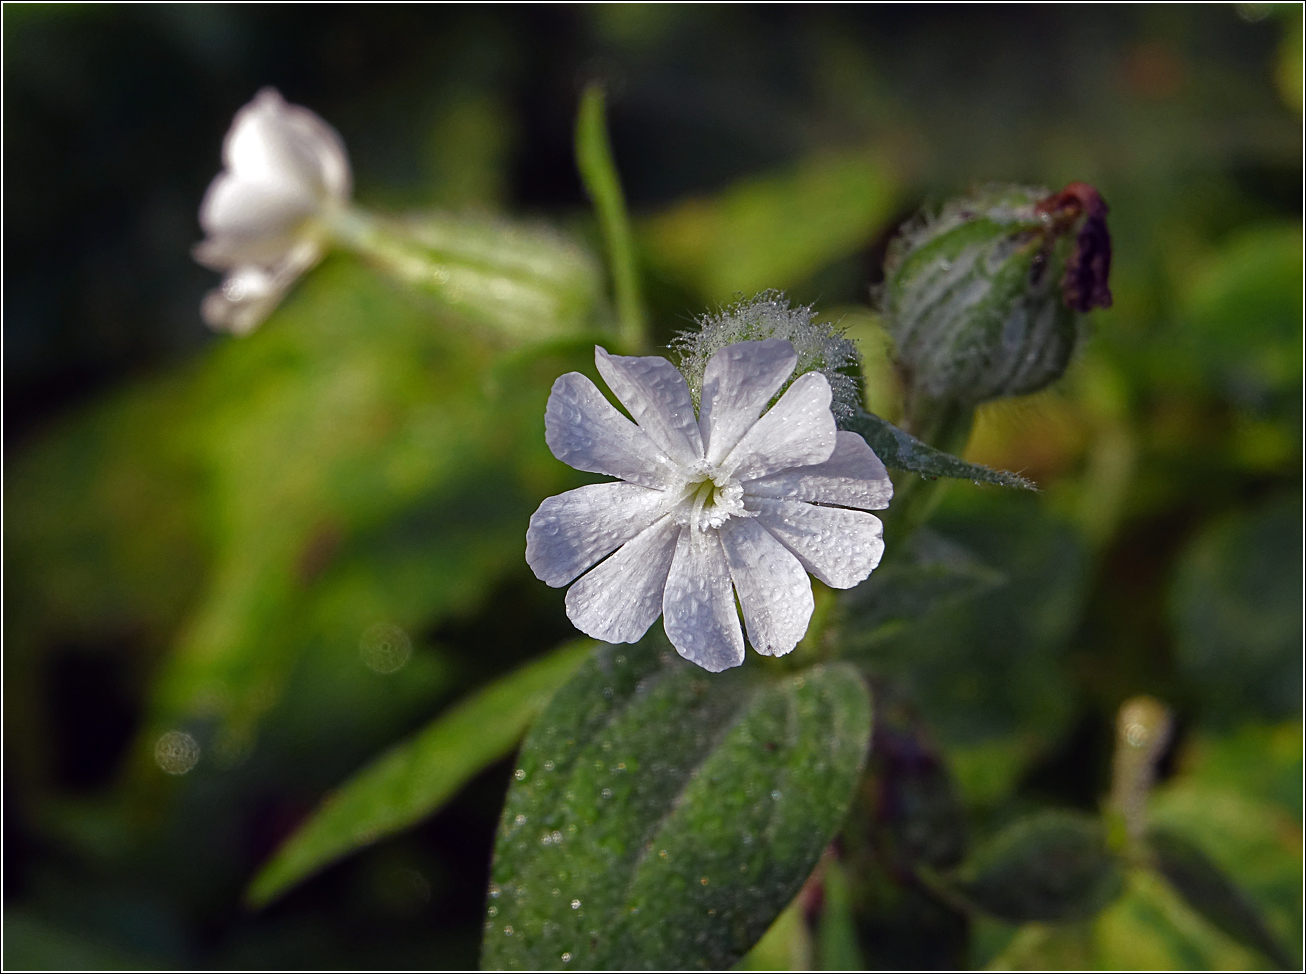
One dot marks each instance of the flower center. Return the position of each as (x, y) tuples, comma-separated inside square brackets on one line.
[(709, 500)]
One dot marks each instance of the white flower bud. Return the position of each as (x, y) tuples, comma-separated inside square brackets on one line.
[(285, 175)]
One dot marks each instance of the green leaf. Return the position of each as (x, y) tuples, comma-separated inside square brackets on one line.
[(924, 572), (416, 777), (1051, 866), (776, 230), (663, 816), (899, 450), (598, 171), (1211, 893), (1241, 315), (987, 664), (526, 283), (1236, 609), (1236, 798), (362, 464)]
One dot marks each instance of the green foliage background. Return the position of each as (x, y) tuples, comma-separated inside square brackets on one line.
[(199, 531)]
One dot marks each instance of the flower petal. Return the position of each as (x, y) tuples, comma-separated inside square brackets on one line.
[(838, 546), (249, 294), (798, 431), (698, 605), (249, 223), (657, 396), (774, 591), (622, 597), (737, 384), (852, 477), (585, 431), (571, 531), (272, 143)]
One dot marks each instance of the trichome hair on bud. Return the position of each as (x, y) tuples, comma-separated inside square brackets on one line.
[(821, 347)]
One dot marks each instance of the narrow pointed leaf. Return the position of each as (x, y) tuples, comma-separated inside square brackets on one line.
[(662, 816), (1213, 894), (899, 450), (418, 776)]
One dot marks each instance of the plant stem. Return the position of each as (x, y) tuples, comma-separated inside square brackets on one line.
[(598, 172)]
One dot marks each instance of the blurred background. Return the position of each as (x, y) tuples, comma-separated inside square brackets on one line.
[(204, 535)]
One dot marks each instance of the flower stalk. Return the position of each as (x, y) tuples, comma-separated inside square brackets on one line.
[(598, 171)]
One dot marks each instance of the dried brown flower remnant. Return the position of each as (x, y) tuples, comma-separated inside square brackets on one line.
[(1085, 283)]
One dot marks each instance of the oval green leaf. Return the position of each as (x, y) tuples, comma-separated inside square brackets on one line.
[(1050, 866), (663, 816)]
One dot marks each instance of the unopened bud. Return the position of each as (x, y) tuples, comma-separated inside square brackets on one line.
[(981, 299), (821, 347)]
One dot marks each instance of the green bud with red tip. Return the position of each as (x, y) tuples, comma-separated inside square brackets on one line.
[(982, 299)]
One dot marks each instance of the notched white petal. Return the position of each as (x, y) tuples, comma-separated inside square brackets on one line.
[(657, 396), (571, 531), (698, 606), (841, 547), (737, 384), (797, 431), (773, 588), (852, 477), (587, 432), (618, 600)]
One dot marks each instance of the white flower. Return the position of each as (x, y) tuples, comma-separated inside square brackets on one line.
[(285, 173), (705, 504)]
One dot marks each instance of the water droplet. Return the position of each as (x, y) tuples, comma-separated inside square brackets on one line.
[(519, 820), (575, 904), (566, 956), (507, 931), (385, 648), (557, 837), (520, 774), (494, 891), (775, 796), (493, 911), (548, 765), (176, 752), (607, 792)]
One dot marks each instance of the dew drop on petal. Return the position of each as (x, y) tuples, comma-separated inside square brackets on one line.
[(575, 904)]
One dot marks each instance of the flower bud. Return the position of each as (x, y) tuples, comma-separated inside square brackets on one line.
[(285, 173), (981, 299), (821, 347)]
